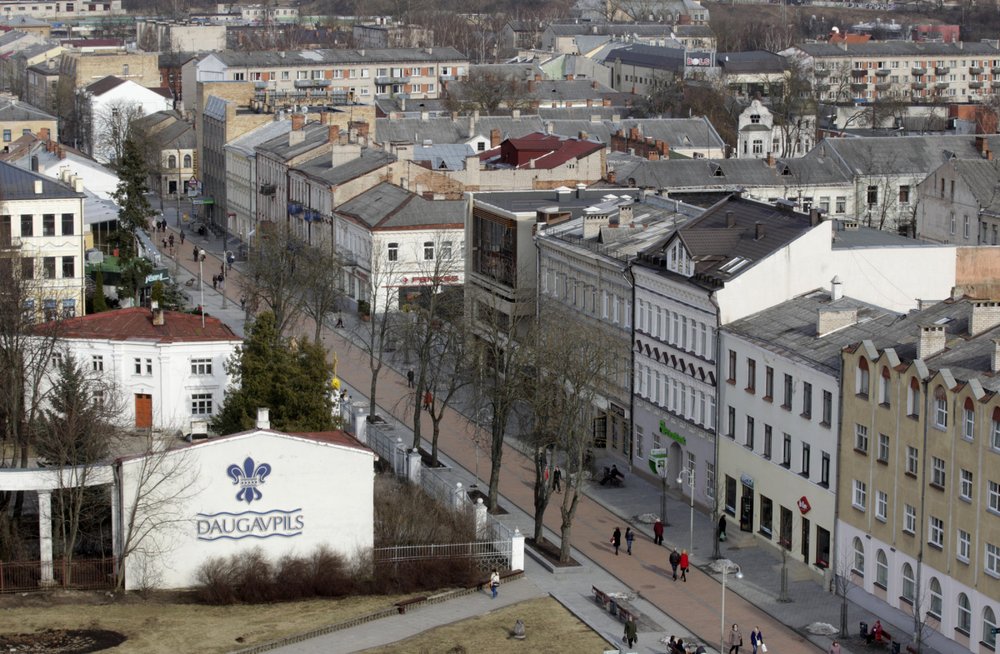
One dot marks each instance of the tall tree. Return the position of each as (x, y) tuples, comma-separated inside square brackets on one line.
[(134, 210), (291, 378), (379, 309), (276, 276), (113, 131), (323, 286)]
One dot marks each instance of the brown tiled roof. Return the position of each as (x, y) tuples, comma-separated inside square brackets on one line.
[(137, 323)]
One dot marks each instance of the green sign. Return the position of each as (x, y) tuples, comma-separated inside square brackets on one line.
[(671, 435), (658, 461)]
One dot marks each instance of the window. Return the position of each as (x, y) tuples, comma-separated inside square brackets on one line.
[(69, 308), (428, 250), (993, 559), (709, 479), (807, 400), (913, 398), (841, 204), (909, 588), (766, 515), (172, 162), (137, 365), (806, 456), (49, 267), (965, 485), (768, 383), (883, 387), (27, 225), (446, 247), (68, 267), (995, 430), (149, 366), (731, 432), (861, 438), (904, 194), (824, 470), (964, 546), (937, 472), (786, 451), (187, 161), (872, 196), (68, 224), (751, 376), (940, 408), (883, 448), (201, 366), (964, 623), (861, 378), (97, 363), (909, 519), (732, 367), (786, 402), (969, 420), (767, 441), (860, 497), (201, 404), (859, 558), (989, 624), (7, 136), (935, 532), (393, 251), (730, 495), (881, 505), (750, 430), (827, 409), (881, 569), (993, 496), (912, 460)]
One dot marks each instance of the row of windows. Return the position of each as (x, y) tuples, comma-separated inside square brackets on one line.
[(201, 367), (50, 309), (675, 395), (28, 225), (787, 389), (608, 306), (346, 73), (676, 329), (8, 134), (392, 250), (172, 161), (767, 447), (963, 608)]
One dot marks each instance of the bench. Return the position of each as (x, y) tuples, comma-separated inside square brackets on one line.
[(402, 605), (617, 608)]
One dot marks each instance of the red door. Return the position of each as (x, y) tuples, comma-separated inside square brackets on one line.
[(143, 411)]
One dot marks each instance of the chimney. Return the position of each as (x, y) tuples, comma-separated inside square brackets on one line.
[(324, 117), (158, 318), (425, 115), (263, 418), (538, 77), (985, 316), (333, 133), (495, 137), (625, 215), (815, 217), (516, 114), (830, 320), (836, 288), (298, 122), (548, 127), (593, 84), (43, 134), (344, 152), (38, 187), (633, 134), (78, 184), (758, 232), (296, 136), (770, 160), (612, 177), (995, 357), (730, 219), (583, 136), (580, 188), (932, 341)]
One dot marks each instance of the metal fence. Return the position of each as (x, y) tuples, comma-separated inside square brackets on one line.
[(486, 554), (497, 530), (383, 439), (435, 485), (21, 576)]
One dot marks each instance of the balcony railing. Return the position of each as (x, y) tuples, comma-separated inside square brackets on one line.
[(392, 80), (918, 71), (311, 83), (976, 70), (858, 86), (882, 72), (941, 85), (883, 86), (859, 72), (975, 84), (821, 72), (941, 70), (919, 85)]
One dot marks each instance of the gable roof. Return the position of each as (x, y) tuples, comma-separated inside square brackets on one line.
[(983, 180), (137, 324), (553, 151), (13, 111), (19, 184), (103, 85), (648, 56), (901, 155), (387, 206), (322, 167)]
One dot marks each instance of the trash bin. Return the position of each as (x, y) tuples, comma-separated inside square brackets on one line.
[(864, 629)]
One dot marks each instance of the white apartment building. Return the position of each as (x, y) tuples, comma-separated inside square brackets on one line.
[(169, 370), (60, 9), (959, 202), (241, 176), (42, 225), (779, 410), (758, 135)]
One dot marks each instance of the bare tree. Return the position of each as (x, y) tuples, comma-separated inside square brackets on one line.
[(321, 275), (487, 91), (275, 277), (112, 129)]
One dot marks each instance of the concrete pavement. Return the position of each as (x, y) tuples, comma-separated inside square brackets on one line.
[(696, 605)]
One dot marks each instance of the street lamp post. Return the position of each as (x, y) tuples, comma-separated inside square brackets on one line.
[(689, 472), (725, 572), (201, 283)]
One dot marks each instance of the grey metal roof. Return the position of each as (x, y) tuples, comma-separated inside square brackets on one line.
[(752, 61), (338, 56), (898, 49), (453, 130), (902, 155), (173, 132), (322, 167), (616, 29), (247, 142), (573, 201), (983, 178), (516, 70), (649, 56), (734, 173), (215, 108), (868, 237), (387, 206), (444, 156), (13, 110), (559, 90), (316, 134), (19, 184), (790, 328)]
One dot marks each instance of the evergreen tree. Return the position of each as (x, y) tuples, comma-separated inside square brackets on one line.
[(134, 210), (100, 303), (291, 378)]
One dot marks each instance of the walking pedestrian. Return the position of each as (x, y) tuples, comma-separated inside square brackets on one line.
[(630, 636), (557, 479), (616, 539), (834, 647), (735, 639), (756, 639), (215, 283), (428, 400), (675, 560), (170, 240), (684, 565), (196, 253), (182, 237), (629, 537), (658, 532), (494, 582), (409, 378), (243, 302)]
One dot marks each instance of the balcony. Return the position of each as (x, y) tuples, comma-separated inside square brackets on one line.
[(858, 86), (976, 70), (918, 71), (882, 72), (823, 87), (311, 83), (822, 72), (941, 70), (975, 84), (859, 72), (260, 84), (941, 85), (995, 70), (392, 80), (918, 85), (995, 84), (883, 86)]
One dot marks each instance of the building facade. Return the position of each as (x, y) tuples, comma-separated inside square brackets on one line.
[(959, 202)]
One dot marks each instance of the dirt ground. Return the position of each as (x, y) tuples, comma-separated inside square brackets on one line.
[(548, 626)]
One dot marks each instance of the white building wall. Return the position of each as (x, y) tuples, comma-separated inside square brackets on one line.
[(199, 516), (412, 268), (128, 93)]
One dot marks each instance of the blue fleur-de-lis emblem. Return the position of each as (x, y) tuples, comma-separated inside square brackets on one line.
[(248, 478)]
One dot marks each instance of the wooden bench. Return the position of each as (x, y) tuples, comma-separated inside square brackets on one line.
[(620, 609)]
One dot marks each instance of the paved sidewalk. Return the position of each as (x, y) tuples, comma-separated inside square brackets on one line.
[(695, 604)]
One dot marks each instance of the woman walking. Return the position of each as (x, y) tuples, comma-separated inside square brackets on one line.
[(756, 639), (616, 539), (735, 640), (684, 565)]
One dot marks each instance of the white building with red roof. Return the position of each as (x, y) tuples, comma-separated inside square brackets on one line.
[(167, 368)]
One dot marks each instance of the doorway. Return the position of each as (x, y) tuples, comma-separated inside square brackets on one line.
[(785, 536), (746, 509), (805, 539), (143, 411), (822, 547)]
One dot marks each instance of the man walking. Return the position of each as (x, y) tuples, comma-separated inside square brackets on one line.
[(629, 537), (616, 539), (409, 378), (630, 636), (557, 479), (675, 560), (658, 532)]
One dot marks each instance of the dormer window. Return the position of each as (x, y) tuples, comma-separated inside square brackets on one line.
[(678, 260), (755, 119)]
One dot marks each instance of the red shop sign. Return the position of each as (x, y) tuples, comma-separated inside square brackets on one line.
[(804, 506)]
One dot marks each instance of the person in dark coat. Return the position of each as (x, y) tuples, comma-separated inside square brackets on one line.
[(557, 479), (658, 532), (629, 537), (616, 539), (675, 560), (409, 378), (630, 635)]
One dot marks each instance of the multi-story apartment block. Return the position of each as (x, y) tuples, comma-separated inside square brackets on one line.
[(42, 228), (583, 268), (384, 34), (780, 406), (334, 76), (61, 9), (156, 35), (959, 202), (241, 177), (40, 83), (901, 70), (919, 491), (305, 141)]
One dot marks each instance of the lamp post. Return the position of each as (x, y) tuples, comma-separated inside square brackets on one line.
[(725, 572), (689, 473), (201, 283)]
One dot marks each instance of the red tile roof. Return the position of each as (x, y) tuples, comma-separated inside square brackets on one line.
[(137, 323), (337, 437), (546, 150)]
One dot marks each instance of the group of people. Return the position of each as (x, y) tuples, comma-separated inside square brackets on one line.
[(735, 640), (680, 560), (676, 646), (428, 399), (616, 539)]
